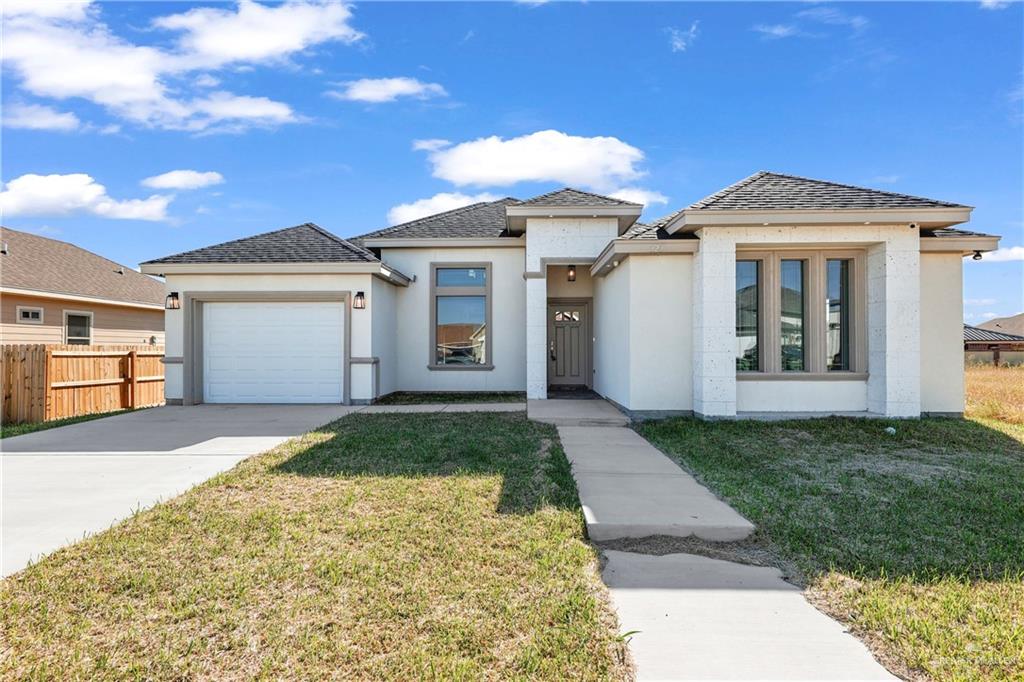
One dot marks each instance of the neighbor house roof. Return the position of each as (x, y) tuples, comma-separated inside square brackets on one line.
[(567, 196), (977, 334), (38, 264), (482, 220), (306, 243), (775, 191)]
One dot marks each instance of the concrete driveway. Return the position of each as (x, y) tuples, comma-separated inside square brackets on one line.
[(62, 484)]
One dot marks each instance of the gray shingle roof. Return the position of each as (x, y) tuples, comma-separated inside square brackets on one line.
[(477, 221), (942, 232), (567, 196), (41, 264), (978, 334), (306, 243), (764, 190)]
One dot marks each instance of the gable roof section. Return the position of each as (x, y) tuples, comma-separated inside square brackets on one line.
[(482, 220), (983, 335), (567, 196), (306, 243), (774, 191), (39, 264)]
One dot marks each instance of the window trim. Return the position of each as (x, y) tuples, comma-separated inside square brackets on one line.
[(84, 313), (815, 337), (29, 308), (485, 291)]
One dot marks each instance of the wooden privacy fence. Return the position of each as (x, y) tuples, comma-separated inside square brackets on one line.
[(44, 382)]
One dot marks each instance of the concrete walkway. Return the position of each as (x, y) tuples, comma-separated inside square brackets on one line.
[(575, 413)]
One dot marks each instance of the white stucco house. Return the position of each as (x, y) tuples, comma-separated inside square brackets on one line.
[(776, 294)]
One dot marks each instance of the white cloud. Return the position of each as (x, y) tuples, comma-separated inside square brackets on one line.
[(431, 145), (994, 4), (1004, 255), (68, 10), (777, 30), (601, 163), (39, 117), (979, 301), (33, 194), (680, 39), (377, 90), (639, 195), (205, 80), (183, 179), (834, 17), (885, 179), (444, 201)]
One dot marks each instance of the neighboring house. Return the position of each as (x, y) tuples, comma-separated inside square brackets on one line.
[(986, 347), (684, 315), (55, 292)]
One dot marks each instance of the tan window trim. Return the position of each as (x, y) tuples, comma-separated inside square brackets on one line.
[(84, 313), (17, 314), (485, 291)]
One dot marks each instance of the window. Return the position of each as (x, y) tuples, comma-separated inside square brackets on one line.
[(567, 316), (799, 311), (77, 328), (460, 316), (30, 315)]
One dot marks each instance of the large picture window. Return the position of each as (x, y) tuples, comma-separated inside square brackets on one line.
[(460, 316), (799, 312)]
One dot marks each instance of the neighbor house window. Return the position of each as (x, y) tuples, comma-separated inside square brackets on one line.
[(797, 312), (30, 315), (460, 316), (77, 328)]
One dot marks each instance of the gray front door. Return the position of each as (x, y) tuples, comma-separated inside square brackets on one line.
[(568, 344)]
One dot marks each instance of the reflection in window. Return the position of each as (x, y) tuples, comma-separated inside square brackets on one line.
[(838, 307), (791, 331), (461, 329), (748, 279), (461, 277)]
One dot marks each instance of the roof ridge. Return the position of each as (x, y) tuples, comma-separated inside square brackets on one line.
[(567, 188), (341, 240), (432, 216), (726, 191), (240, 239), (860, 187)]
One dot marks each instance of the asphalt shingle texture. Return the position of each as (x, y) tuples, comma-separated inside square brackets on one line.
[(567, 196), (482, 220)]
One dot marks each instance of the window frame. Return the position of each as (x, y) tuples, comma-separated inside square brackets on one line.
[(83, 313), (815, 315), (29, 308), (441, 292)]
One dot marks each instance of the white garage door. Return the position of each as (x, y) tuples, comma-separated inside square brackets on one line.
[(273, 352)]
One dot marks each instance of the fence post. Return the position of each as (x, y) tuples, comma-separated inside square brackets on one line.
[(47, 378), (133, 378)]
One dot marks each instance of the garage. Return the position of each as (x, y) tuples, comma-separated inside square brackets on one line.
[(273, 352)]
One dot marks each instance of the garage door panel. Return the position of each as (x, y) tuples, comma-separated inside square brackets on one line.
[(273, 352)]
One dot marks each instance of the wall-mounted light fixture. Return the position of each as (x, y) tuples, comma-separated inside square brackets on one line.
[(172, 302), (572, 273), (359, 302), (976, 256)]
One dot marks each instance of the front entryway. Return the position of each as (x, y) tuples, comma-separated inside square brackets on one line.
[(569, 343)]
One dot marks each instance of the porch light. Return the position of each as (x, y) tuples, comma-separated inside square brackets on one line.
[(976, 256), (572, 273), (359, 302), (172, 302)]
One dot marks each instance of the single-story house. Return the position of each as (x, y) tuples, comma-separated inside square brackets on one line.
[(776, 294), (987, 347), (55, 292)]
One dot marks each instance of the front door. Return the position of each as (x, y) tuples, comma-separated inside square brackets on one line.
[(568, 344)]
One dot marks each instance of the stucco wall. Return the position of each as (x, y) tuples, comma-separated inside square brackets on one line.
[(611, 334), (802, 396), (559, 285), (942, 356), (384, 339), (412, 321)]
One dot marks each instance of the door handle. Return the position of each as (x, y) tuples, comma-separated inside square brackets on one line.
[(551, 351)]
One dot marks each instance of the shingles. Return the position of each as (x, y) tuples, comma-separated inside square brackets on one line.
[(567, 196), (978, 334), (306, 243), (775, 191), (482, 220), (947, 232), (40, 264)]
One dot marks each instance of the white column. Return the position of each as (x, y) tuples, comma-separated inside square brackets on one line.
[(536, 338), (714, 326)]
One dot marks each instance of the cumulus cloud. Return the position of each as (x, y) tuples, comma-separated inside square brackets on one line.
[(681, 39), (183, 179), (39, 117), (377, 90), (1006, 254), (58, 195), (431, 145), (639, 195), (994, 4), (600, 163), (777, 31), (444, 201), (71, 53), (70, 10)]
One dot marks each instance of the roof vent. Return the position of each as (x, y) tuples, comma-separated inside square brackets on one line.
[(3, 248), (120, 271)]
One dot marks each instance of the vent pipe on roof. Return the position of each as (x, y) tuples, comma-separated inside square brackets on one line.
[(120, 271), (3, 248)]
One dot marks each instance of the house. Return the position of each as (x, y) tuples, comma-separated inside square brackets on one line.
[(778, 294), (55, 292), (987, 347)]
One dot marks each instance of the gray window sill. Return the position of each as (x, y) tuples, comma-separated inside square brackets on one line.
[(802, 376), (460, 368)]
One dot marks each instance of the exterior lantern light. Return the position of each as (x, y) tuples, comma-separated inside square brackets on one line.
[(572, 273), (172, 302), (359, 302), (976, 256)]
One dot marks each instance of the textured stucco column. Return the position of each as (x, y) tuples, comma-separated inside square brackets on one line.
[(714, 325), (536, 338)]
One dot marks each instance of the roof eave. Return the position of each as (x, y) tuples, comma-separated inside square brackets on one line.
[(376, 269), (445, 242), (516, 216), (691, 219), (965, 245), (64, 296)]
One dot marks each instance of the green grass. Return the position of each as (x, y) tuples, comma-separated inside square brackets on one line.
[(914, 540), (446, 546), (413, 398), (11, 430)]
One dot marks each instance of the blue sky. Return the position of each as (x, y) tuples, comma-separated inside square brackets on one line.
[(355, 116)]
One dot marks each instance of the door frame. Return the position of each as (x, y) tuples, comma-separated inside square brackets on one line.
[(588, 304)]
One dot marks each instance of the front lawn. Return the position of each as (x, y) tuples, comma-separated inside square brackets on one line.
[(915, 540), (445, 546)]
